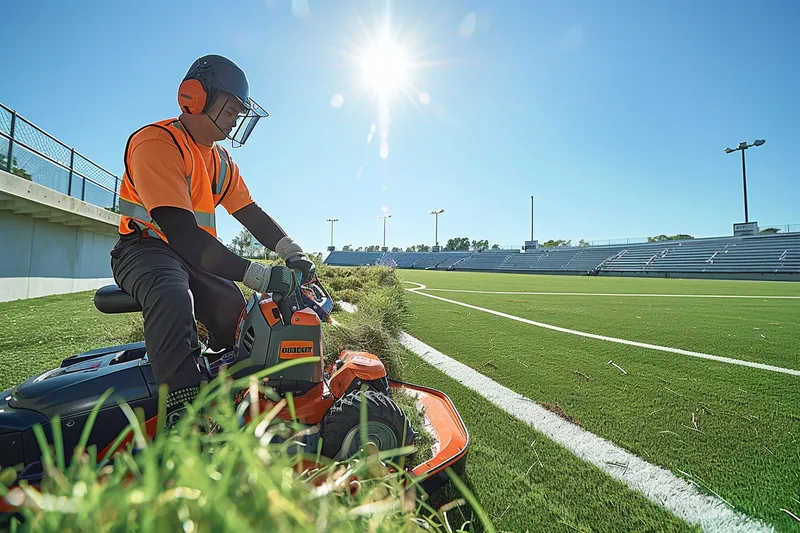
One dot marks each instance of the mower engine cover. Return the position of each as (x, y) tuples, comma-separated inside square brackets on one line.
[(271, 331)]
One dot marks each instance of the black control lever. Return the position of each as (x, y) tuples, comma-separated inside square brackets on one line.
[(287, 304)]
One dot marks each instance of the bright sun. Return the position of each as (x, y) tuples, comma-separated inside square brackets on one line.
[(385, 68)]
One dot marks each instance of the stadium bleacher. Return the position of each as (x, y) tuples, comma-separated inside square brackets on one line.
[(484, 260), (355, 258), (777, 254), (763, 253)]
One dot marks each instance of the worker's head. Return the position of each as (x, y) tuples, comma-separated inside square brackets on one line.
[(215, 99)]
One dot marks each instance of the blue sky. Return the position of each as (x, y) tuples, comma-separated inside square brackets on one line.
[(614, 115)]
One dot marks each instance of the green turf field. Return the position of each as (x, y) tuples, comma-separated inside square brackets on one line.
[(524, 481), (733, 429)]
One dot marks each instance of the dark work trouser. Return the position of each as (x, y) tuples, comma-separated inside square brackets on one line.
[(173, 292)]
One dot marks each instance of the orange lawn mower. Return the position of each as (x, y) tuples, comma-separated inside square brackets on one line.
[(273, 329)]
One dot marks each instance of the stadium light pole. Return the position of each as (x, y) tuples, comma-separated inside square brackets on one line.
[(436, 231), (531, 218), (742, 147), (384, 217), (332, 220)]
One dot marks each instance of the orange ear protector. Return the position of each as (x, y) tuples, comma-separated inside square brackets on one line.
[(192, 96)]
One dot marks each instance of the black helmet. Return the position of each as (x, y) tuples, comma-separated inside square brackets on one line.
[(220, 75)]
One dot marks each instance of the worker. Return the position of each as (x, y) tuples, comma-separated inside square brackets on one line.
[(168, 256)]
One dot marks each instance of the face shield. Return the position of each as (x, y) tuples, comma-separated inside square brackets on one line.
[(229, 105), (235, 118)]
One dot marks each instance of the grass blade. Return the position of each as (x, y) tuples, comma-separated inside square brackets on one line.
[(462, 488), (87, 428), (58, 441)]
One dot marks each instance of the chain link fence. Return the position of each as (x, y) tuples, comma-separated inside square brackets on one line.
[(31, 153)]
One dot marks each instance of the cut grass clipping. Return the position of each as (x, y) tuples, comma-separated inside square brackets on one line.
[(241, 478)]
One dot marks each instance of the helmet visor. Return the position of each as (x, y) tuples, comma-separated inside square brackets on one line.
[(249, 111), (246, 122)]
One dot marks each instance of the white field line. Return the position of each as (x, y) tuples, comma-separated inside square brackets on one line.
[(629, 295), (659, 485), (760, 366)]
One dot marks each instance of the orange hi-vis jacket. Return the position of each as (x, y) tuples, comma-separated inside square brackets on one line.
[(164, 166)]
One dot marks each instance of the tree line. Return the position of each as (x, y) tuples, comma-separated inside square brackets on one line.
[(453, 245), (245, 245)]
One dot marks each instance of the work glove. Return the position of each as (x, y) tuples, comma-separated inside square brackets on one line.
[(276, 279), (295, 258)]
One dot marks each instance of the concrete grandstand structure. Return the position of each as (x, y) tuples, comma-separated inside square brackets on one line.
[(768, 257)]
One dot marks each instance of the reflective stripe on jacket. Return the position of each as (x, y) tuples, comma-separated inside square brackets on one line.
[(205, 193)]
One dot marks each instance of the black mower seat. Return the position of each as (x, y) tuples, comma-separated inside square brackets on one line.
[(112, 299)]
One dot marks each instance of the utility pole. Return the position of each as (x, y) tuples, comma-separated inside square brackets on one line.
[(384, 217), (332, 220), (436, 234)]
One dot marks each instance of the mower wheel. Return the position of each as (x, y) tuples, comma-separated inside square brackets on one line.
[(387, 425)]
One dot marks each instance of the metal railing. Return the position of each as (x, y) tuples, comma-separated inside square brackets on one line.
[(782, 228), (31, 153)]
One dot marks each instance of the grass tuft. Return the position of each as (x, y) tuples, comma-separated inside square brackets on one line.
[(236, 478)]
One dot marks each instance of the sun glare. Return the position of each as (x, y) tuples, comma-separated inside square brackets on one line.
[(385, 68), (388, 65)]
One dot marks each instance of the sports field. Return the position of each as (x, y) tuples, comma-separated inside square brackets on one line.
[(705, 386), (705, 379)]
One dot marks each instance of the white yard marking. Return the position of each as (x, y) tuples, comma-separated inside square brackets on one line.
[(629, 295), (718, 358), (659, 485)]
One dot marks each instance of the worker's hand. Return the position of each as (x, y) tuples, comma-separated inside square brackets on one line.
[(276, 279), (305, 265), (296, 259)]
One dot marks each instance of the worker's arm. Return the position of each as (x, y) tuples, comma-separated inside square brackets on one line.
[(261, 225), (238, 202), (197, 245), (202, 249)]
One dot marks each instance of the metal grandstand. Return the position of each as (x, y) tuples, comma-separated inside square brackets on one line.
[(775, 257)]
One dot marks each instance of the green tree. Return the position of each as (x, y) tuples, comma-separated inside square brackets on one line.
[(457, 244), (396, 249), (423, 248), (17, 171), (245, 245), (480, 245), (555, 244), (583, 243), (662, 237), (347, 248), (769, 231), (495, 247)]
